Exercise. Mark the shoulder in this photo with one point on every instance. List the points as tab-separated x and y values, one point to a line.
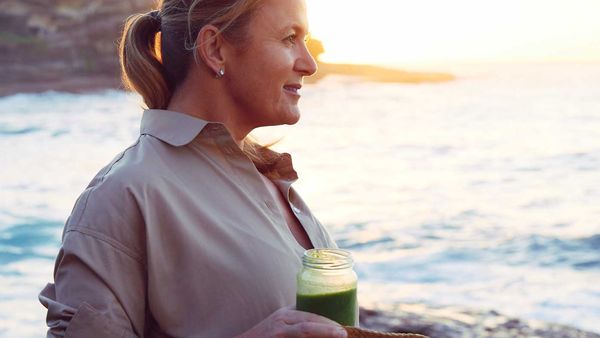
140	166
112	205
135	181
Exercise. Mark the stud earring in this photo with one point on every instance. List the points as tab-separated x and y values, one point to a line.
220	73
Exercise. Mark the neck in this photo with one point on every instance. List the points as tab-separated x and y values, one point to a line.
206	100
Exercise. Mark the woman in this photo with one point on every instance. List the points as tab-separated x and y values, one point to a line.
194	230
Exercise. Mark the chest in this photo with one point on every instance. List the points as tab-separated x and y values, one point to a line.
293	224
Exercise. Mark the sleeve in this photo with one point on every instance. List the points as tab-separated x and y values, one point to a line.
99	288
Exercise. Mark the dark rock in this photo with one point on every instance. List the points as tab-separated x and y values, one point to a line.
451	322
45	44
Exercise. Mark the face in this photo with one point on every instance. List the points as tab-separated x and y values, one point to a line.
265	77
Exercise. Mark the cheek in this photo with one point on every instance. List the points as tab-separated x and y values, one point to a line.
261	74
279	64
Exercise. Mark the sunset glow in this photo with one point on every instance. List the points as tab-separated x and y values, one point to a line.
428	31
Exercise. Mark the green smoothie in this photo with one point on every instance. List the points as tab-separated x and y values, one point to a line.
339	306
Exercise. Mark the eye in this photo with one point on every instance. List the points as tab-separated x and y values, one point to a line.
291	38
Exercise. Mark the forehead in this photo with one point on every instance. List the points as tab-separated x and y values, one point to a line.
280	15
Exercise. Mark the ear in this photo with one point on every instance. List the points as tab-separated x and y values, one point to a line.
209	46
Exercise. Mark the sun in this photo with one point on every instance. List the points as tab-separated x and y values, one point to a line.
429	31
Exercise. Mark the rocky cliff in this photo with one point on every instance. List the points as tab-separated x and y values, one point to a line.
44	43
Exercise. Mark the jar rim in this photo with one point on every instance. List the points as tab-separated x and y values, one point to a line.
327	259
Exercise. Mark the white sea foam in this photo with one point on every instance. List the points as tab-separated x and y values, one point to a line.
480	192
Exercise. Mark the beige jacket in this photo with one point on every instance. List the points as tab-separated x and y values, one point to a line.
178	237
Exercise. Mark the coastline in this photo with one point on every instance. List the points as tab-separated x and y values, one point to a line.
71	47
72	84
92	82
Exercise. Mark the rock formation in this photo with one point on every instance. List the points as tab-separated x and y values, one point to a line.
453	322
51	44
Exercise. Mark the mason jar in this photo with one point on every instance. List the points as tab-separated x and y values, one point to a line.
326	285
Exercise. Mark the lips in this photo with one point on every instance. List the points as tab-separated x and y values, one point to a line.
293	88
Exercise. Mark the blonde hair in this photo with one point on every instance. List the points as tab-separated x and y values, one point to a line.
157	48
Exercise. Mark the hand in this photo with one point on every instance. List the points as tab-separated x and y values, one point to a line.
290	323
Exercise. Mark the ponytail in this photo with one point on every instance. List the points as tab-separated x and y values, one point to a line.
155	54
141	67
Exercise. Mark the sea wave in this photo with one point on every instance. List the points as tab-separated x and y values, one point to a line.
479	192
29	240
531	250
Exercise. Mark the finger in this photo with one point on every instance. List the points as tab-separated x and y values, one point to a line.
296	316
317	330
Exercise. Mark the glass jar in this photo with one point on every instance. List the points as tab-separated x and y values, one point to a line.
326	285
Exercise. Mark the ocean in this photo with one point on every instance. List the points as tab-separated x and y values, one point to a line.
483	192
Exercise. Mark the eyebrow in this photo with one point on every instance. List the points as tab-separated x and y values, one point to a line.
297	28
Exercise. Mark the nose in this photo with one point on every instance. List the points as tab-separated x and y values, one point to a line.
305	63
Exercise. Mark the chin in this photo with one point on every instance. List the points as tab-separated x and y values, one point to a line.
288	116
293	117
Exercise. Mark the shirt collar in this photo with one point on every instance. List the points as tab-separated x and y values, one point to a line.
176	129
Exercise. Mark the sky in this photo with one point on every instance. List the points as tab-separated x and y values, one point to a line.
399	32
